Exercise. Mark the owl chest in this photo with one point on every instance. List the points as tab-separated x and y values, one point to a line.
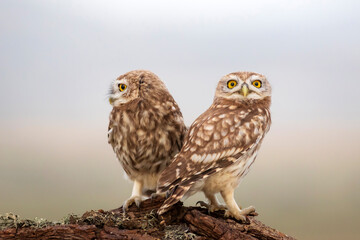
133	140
140	142
232	175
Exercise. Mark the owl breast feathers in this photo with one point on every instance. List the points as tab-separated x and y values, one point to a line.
222	143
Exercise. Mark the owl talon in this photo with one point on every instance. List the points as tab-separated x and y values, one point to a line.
214	208
138	202
155	195
135	199
202	204
211	207
248	210
241	215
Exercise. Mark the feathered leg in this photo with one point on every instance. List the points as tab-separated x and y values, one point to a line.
213	204
233	209
136	195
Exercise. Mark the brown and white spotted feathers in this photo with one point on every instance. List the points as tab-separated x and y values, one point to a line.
221	144
146	129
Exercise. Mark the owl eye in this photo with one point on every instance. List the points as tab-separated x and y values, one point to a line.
122	87
231	84
257	83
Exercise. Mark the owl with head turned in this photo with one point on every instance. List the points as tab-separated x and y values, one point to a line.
221	145
146	129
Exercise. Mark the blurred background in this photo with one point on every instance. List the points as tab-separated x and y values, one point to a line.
58	58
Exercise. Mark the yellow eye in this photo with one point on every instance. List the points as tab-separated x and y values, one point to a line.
257	83
231	84
122	87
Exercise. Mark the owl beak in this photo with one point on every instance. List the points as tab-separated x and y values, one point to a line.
244	90
111	100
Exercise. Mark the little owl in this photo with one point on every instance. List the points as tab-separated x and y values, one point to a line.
221	145
146	129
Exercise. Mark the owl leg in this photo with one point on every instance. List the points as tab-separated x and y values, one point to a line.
233	209
135	195
213	204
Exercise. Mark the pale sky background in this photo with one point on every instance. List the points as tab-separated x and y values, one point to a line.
57	59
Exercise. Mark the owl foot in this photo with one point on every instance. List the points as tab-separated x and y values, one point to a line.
240	215
134	199
211	207
155	195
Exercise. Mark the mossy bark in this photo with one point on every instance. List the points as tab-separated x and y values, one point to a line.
143	223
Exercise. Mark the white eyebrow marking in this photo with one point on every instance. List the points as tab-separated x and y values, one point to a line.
122	80
232	77
256	77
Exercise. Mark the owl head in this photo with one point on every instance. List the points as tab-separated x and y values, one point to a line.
243	86
134	85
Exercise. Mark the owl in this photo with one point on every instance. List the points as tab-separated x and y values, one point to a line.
221	145
146	129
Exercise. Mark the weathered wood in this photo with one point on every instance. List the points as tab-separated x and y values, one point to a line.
54	232
143	223
74	232
214	228
220	228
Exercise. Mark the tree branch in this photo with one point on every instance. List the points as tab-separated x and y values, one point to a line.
143	223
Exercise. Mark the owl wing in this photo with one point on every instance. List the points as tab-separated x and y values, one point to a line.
214	141
114	116
111	132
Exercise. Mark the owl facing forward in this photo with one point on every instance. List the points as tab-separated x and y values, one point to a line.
221	144
146	129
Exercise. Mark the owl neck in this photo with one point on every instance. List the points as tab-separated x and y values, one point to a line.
262	103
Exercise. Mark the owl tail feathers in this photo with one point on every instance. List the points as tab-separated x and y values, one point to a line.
176	195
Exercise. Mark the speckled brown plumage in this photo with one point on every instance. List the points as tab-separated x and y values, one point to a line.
146	129
221	144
